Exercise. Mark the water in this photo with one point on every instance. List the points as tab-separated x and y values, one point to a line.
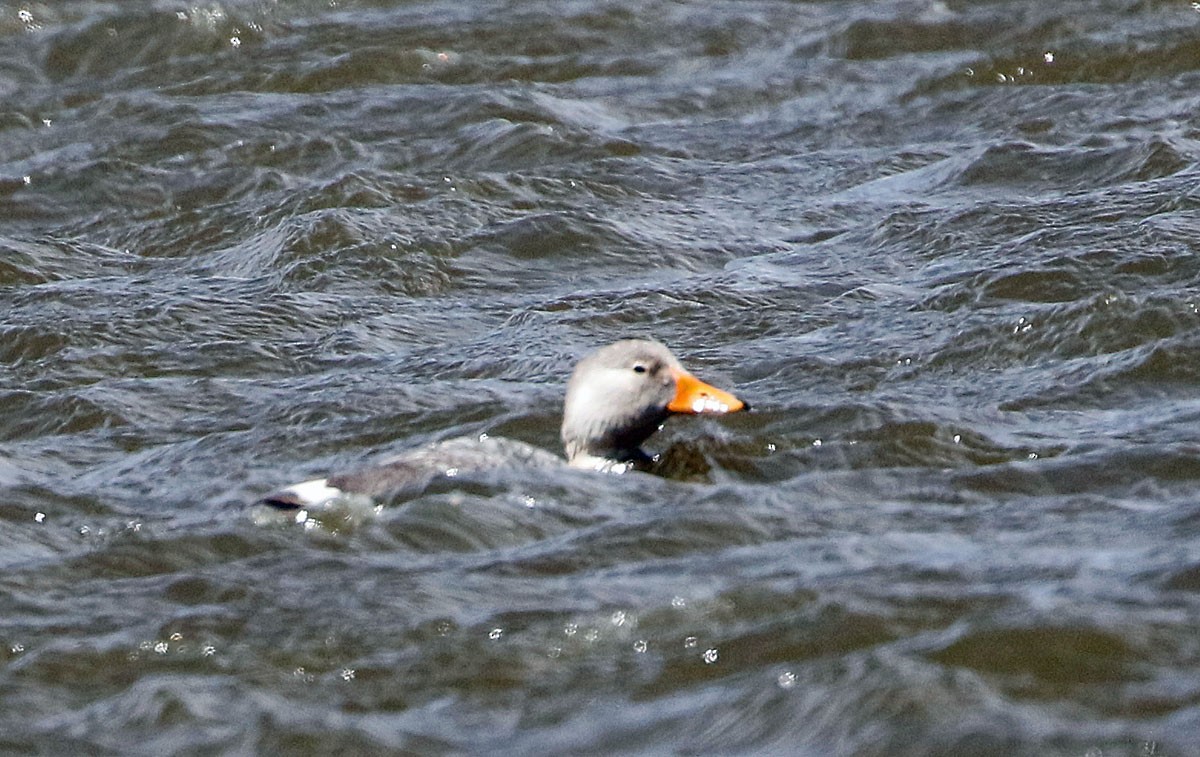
947	250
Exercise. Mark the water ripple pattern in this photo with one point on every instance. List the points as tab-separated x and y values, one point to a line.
950	252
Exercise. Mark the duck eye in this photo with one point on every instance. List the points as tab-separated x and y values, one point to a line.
639	368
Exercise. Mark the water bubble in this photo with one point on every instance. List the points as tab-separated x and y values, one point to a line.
46	122
17	648
770	446
786	679
209	650
689	642
678	602
571	629
592	635
816	443
161	647
709	656
618	618
235	42
39	517
26	180
1048	56
554	653
530	501
957	438
347	674
451	472
640	646
495	633
176	636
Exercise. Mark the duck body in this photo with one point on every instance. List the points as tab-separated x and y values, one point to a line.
617	397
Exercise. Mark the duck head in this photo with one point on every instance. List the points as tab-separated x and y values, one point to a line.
620	394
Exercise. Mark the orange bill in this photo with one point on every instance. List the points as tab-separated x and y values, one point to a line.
694	396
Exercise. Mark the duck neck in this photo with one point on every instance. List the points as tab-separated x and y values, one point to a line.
610	461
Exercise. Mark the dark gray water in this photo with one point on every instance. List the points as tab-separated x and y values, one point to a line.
948	250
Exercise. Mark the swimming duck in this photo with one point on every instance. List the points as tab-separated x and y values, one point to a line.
616	398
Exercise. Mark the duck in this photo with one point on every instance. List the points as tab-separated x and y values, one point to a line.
617	397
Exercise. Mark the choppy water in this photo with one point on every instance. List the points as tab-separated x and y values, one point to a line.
948	250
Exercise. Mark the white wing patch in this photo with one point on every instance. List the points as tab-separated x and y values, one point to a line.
314	493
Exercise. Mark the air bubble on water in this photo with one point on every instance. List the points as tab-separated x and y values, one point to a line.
957	438
618	618
235	42
1048	56
571	629
347	674
1033	456
495	633
554	653
17	648
451	472
816	443
970	72
640	646
39	517
786	679
529	501
709	656
678	602
689	642
26	180
591	636
161	647
209	650
770	446
176	636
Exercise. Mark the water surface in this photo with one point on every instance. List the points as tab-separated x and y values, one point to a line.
947	250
